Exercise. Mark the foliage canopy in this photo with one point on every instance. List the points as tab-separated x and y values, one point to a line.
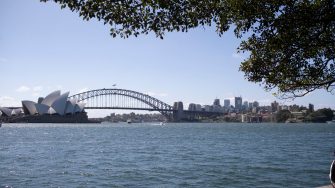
283	115
290	43
321	115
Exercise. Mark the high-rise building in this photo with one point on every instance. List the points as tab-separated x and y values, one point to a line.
274	106
238	103
255	104
179	107
198	107
250	105
245	105
216	102
208	108
294	108
311	107
226	103
217	108
284	107
192	107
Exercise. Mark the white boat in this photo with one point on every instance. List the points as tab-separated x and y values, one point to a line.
331	122
129	121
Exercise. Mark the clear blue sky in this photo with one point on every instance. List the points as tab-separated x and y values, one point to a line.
44	48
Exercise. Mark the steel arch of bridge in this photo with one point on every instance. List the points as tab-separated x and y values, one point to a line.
110	97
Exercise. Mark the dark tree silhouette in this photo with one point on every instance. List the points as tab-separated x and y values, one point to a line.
291	43
283	115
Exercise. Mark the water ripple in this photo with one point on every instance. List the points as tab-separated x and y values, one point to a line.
176	155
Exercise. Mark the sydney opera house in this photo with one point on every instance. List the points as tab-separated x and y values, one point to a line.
54	108
10	112
54	103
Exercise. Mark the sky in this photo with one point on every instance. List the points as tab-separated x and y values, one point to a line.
45	48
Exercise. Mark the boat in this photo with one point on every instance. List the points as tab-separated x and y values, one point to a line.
128	121
331	122
332	173
161	123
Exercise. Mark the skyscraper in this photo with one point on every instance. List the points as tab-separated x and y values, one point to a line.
311	107
245	105
192	107
216	102
255	104
238	103
274	106
226	103
250	105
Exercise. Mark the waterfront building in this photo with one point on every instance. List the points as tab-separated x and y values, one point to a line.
274	106
179	107
7	112
250	105
192	107
311	107
284	107
226	103
280	108
207	108
217	108
54	103
255	104
238	103
294	108
198	107
245	105
216	102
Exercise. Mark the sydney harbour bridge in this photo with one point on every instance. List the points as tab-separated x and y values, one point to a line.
124	99
133	100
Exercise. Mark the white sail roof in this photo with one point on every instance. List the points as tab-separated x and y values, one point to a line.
69	107
73	101
50	99
18	110
6	111
13	113
60	103
51	111
79	107
42	108
30	106
54	103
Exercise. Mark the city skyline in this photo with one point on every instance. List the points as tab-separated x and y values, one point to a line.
44	48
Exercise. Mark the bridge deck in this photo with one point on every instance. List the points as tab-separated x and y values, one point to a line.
126	108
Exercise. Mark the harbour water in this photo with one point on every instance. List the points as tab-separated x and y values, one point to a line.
172	155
